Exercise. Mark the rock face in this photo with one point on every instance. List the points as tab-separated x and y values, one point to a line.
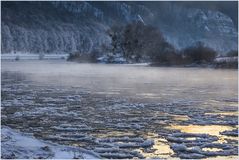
213	28
63	27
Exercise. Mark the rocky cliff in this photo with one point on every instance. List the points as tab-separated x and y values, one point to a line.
63	27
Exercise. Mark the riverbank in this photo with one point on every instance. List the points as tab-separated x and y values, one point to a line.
26	56
17	145
223	65
218	63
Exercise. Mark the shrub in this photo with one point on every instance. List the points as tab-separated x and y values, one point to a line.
228	65
41	56
139	42
17	58
166	54
233	53
198	54
84	57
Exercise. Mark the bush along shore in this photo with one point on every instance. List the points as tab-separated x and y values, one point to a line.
140	43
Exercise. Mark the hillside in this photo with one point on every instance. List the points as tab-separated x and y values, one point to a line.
64	27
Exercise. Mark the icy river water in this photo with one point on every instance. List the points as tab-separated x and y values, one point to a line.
124	111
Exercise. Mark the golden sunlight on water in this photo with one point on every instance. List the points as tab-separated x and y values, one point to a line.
174	116
191	138
233	104
181	117
213	130
160	149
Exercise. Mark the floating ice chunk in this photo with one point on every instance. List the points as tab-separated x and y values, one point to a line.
179	147
190	138
191	156
230	133
117	155
126	126
77	139
69	127
122	139
126	142
74	98
217	145
195	149
147	143
103	150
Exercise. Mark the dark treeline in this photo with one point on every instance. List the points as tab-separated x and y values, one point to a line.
137	42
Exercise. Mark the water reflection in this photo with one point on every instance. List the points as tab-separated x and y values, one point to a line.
213	130
181	117
160	149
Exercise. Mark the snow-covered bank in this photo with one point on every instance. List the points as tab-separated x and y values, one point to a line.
17	145
24	56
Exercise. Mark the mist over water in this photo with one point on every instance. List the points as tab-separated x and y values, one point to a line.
164	83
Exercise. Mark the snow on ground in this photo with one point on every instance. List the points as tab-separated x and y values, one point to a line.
226	59
20	146
24	56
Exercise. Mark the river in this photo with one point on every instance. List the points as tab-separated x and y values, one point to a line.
124	111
